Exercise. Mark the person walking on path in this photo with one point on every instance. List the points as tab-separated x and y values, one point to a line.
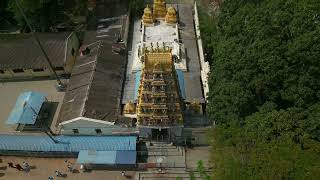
10	164
18	167
123	173
58	173
26	166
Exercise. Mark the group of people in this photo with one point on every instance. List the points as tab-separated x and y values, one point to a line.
60	174
25	166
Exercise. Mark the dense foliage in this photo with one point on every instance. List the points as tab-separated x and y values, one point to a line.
265	89
43	15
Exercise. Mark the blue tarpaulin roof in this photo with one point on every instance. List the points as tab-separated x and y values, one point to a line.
180	81
67	143
107	157
26	108
136	84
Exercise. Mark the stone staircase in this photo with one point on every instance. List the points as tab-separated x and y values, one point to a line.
166	155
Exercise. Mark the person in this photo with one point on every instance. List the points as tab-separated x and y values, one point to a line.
10	164
18	167
58	173
70	168
25	166
50	178
122	173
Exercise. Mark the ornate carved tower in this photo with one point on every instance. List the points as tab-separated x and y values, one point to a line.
159	9
159	103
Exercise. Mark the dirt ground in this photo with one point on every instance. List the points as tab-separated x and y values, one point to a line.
198	153
42	168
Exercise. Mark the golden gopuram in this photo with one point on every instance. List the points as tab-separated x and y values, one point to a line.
159	9
159	103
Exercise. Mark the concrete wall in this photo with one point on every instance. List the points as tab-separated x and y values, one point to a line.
145	132
196	136
72	43
86	127
205	67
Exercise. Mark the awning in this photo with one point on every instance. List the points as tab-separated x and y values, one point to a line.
137	79
107	157
26	108
181	83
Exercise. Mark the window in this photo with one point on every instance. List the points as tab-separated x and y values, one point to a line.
1	71
18	70
59	68
75	131
98	131
72	51
38	70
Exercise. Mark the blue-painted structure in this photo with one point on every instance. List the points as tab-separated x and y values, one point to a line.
107	157
180	81
67	144
26	109
181	84
137	79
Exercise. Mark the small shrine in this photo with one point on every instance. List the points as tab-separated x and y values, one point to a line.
171	17
147	17
159	12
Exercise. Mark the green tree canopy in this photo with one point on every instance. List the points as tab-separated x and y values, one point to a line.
265	89
41	13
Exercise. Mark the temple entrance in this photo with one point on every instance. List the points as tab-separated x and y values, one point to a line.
160	135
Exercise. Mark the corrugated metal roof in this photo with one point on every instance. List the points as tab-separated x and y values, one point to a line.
126	157
26	109
66	143
22	51
107	157
95	85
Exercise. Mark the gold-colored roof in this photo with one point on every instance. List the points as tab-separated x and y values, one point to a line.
147	10
171	10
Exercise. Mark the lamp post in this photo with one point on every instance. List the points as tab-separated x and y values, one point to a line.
60	84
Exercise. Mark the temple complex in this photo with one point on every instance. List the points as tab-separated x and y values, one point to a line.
163	90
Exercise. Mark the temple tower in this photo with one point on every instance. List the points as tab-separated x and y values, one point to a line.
159	9
159	103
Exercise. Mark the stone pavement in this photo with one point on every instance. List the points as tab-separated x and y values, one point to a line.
42	168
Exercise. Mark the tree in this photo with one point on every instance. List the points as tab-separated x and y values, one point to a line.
41	14
265	89
136	7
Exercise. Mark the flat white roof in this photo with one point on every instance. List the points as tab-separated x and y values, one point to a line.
160	32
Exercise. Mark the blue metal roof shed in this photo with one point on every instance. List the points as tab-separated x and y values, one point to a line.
137	84
67	144
26	109
181	83
107	157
